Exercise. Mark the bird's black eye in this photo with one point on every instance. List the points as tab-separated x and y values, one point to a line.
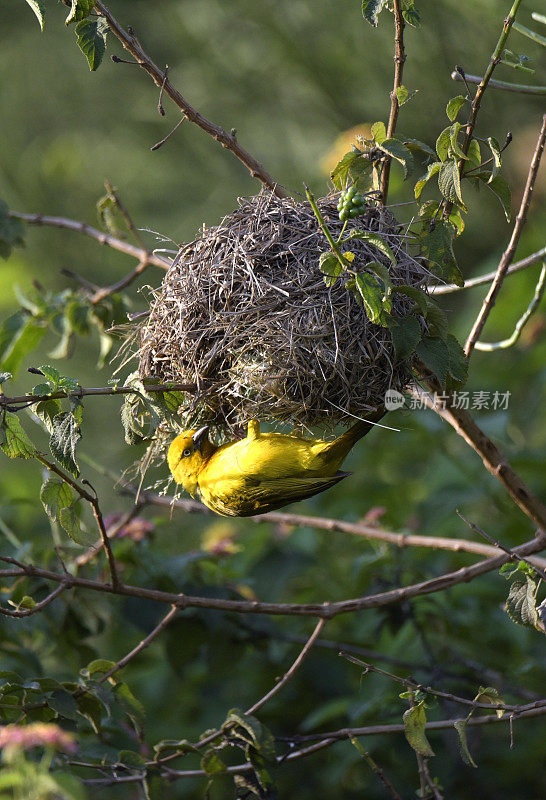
186	453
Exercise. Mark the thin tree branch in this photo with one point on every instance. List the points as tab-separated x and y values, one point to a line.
494	84
492	458
327	524
399	59
102	238
106	291
326	610
291	672
508	254
28	399
227	140
517	266
28	612
167	619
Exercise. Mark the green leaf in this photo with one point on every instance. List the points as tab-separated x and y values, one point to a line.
19	335
501	190
38	6
92	709
443	144
55	495
46	410
132	707
521	601
460	727
372	297
418	145
435	354
437	247
80	10
252	731
63	703
379	132
14	442
11	229
383	273
410	13
211	763
91	34
371	9
415	720
474	153
65	347
330	267
458	363
64	438
398	151
341	170
454	141
70	522
449	181
418	295
406	334
401	95
67	787
494	146
433	168
454	106
374	239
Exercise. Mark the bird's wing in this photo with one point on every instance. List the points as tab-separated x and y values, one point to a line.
248	496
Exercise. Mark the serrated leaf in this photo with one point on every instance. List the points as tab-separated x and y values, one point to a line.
374	239
501	190
80	10
415	720
422	182
460	727
435	354
379	132
401	95
443	143
455	146
38	6
399	152
417	144
449	181
454	105
410	14
91	36
341	170
521	601
64	439
383	273
55	495
14	442
211	763
371	9
46	410
11	229
329	265
418	295
406	334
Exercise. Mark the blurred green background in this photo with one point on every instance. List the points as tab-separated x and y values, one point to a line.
291	76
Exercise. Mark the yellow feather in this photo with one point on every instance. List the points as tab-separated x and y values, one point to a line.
262	472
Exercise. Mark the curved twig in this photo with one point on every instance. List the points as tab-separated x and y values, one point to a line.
517	266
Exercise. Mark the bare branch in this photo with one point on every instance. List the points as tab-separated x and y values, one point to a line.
517	266
493	460
328	524
101	237
508	254
324	610
508	87
227	140
291	672
28	612
28	399
399	59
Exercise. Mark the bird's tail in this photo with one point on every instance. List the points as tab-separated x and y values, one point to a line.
341	446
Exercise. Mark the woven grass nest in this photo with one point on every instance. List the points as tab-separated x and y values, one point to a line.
244	313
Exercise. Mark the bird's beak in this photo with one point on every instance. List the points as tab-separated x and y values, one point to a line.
199	436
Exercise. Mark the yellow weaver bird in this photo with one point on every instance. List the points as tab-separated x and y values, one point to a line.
262	472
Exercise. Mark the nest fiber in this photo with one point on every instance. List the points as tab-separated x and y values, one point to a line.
245	315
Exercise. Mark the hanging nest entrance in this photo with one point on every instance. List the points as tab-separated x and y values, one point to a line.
245	314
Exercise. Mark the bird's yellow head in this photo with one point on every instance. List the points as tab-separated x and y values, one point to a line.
186	456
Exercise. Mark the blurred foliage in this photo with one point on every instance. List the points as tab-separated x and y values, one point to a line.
292	77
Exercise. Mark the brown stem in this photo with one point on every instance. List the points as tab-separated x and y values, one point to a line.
509	253
227	140
324	610
26	399
492	458
399	59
